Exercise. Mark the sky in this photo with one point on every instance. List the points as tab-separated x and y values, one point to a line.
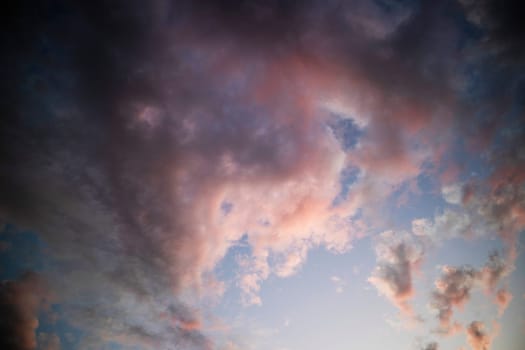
262	175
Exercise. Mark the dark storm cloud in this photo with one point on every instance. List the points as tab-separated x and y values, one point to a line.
454	288
494	271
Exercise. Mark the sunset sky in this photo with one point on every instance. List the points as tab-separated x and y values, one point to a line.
262	175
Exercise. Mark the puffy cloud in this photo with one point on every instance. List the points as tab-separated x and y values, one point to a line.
292	261
398	258
478	338
21	301
494	271
497	212
453	193
505	213
502	299
254	270
449	224
339	283
453	289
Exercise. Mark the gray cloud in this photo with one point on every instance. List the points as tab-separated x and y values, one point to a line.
431	346
398	259
452	289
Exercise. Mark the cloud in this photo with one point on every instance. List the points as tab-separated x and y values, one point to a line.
478	338
501	26
449	224
502	299
398	258
503	212
454	287
146	121
431	346
452	290
494	271
453	194
21	301
496	212
136	176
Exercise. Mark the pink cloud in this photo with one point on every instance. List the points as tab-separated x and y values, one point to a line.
502	299
477	336
453	290
221	109
398	259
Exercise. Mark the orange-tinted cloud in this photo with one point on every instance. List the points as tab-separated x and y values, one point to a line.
398	259
493	272
502	299
477	336
20	303
454	287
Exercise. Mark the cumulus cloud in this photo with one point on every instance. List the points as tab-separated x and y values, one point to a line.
453	290
449	224
477	336
398	258
501	25
453	193
502	299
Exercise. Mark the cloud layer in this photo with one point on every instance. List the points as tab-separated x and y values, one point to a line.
143	141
